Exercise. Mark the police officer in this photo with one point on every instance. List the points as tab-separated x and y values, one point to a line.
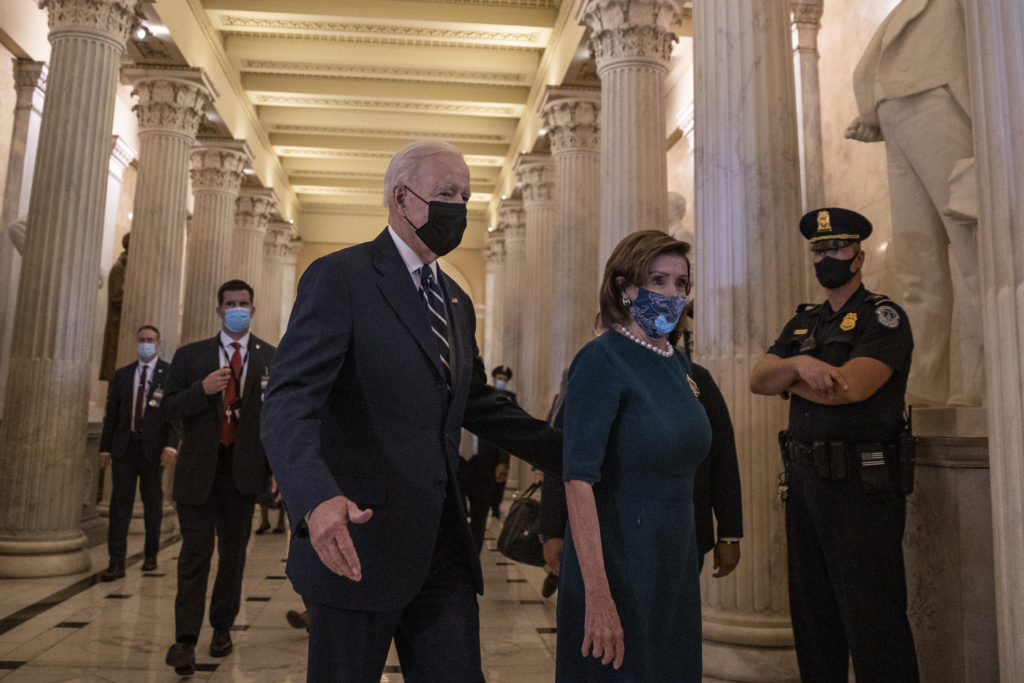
848	459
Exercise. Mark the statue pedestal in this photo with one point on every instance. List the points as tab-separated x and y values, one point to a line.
948	548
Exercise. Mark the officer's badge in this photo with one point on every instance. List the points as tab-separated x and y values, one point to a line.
888	317
693	386
849	322
824	222
800	331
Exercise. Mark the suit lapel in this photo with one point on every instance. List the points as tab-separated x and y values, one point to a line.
456	328
156	380
254	373
395	284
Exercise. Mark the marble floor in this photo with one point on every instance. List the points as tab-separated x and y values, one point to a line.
75	628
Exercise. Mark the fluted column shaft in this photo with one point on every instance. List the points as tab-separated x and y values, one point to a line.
995	38
807	17
632	45
170	107
27	76
217	170
268	324
750	267
42	436
513	222
494	297
535	176
252	212
572	118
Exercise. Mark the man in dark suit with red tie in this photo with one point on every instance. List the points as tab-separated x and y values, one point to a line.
216	391
373	381
137	442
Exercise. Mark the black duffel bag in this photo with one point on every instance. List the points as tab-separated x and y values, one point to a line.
520	536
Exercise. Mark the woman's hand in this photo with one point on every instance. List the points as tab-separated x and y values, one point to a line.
603	631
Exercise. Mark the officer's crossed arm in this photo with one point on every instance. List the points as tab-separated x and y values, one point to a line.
862	377
776	375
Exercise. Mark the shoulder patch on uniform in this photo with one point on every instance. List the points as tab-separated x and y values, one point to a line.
879	299
802	308
887	316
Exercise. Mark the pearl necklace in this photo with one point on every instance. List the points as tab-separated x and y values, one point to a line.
664	353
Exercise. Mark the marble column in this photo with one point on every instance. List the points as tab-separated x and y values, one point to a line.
513	225
535	177
268	324
42	434
291	275
751	266
807	18
632	44
995	37
572	117
217	169
494	255
170	106
252	213
28	77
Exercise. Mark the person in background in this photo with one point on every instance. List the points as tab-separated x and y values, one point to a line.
486	469
138	441
216	391
501	375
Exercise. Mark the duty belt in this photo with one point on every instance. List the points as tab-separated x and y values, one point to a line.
836	459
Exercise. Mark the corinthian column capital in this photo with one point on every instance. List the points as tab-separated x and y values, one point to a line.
573	118
630	29
535	175
277	241
807	12
219	166
253	207
109	20
494	252
171	100
28	75
512	220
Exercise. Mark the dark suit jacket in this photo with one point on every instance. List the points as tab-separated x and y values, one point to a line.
357	406
716	483
158	432
200	420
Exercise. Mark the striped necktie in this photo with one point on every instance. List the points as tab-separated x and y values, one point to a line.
434	300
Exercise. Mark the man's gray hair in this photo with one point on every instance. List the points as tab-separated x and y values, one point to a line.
403	166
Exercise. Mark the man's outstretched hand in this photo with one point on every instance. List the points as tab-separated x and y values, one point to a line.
328	532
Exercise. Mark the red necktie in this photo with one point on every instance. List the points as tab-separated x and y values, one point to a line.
140	401
228	421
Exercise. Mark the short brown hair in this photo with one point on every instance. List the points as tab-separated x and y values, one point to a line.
632	259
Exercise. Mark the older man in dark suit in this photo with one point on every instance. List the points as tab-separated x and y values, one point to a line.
137	442
216	391
374	379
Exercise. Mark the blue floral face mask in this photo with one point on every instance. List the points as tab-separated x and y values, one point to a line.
656	314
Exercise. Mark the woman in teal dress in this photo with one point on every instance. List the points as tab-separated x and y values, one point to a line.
635	433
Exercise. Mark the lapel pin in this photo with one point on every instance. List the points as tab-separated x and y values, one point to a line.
455	299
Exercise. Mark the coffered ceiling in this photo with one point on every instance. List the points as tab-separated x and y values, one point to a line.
325	91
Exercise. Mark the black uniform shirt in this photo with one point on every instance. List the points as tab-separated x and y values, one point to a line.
868	325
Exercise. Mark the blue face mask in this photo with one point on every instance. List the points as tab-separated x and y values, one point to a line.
236	319
656	314
500	384
146	351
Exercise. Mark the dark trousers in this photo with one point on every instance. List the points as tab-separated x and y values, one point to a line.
125	471
847	588
228	515
437	635
476	481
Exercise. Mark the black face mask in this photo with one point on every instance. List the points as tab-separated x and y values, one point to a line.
446	221
833	273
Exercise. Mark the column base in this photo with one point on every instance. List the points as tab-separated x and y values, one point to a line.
33	559
731	662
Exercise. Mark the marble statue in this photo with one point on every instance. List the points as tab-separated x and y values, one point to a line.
912	93
115	298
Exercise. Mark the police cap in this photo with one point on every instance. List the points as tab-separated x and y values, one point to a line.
832	228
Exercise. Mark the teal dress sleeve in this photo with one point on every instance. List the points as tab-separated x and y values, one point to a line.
592	403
